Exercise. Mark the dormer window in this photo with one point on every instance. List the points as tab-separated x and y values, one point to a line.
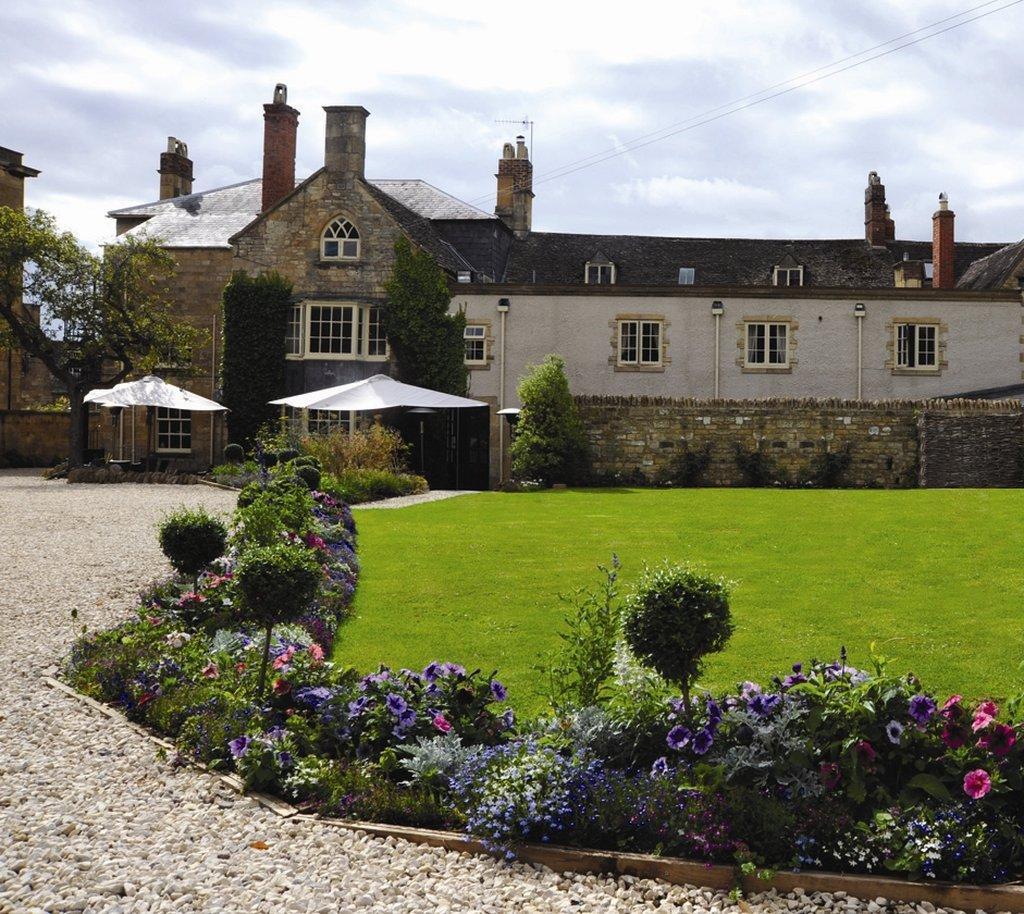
600	271
340	241
785	275
687	275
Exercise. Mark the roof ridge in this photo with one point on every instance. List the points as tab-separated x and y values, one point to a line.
198	193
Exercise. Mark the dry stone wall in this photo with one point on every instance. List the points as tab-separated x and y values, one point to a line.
647	439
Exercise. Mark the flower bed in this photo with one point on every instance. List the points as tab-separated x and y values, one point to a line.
827	767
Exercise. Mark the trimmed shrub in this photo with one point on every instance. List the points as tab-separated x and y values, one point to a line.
277	583
673	619
549	444
191	539
309	475
287	454
234	453
357	486
757	467
375	448
270	459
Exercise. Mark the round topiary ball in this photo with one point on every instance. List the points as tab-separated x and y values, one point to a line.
674	618
233	453
277	582
289	453
307	460
191	539
270	458
309	475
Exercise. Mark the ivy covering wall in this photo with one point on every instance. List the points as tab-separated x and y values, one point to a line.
253	361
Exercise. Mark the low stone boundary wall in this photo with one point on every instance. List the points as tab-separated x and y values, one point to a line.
37	437
889	444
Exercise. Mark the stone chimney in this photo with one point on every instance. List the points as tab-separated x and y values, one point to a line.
280	127
942	246
175	170
514	205
878	224
345	143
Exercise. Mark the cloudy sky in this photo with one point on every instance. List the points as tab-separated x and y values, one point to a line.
89	91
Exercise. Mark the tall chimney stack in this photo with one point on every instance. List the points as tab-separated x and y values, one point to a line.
280	126
942	246
345	143
514	205
175	170
878	226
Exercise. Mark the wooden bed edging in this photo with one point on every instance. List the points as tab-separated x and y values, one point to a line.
991	899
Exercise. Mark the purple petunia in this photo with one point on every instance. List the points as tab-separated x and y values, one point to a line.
678	737
498	691
508	719
431	671
395	704
239	746
659	767
922	709
703	741
452	669
714	713
275	733
355	708
313	696
284	759
894	730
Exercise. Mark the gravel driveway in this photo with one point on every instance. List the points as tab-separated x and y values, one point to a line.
91	820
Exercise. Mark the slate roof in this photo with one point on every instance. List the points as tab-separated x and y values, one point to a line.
991	272
964	252
550	257
209	218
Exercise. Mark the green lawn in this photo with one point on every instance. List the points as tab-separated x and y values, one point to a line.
933	577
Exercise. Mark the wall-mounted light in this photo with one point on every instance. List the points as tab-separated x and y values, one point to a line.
503	304
717	308
859	310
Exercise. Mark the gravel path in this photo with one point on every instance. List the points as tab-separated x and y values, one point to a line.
92	821
403	501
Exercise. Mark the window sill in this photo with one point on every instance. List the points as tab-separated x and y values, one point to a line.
917	372
643	369
173	453
327	264
335	357
478	366
767	369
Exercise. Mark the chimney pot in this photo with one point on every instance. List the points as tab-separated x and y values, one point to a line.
280	129
514	204
878	226
943	246
175	170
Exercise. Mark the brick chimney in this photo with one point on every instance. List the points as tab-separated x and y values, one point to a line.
878	224
345	142
942	246
514	205
280	126
175	170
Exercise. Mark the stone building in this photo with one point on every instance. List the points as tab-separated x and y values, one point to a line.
863	318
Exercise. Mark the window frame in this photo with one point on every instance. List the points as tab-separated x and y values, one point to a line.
299	338
898	351
599	266
480	338
766	347
351	235
691	276
362	324
183	420
638	325
313	423
779	269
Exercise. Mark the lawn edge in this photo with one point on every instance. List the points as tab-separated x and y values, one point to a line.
1008	897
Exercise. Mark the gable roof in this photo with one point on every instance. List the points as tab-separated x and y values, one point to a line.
550	257
210	218
991	272
964	252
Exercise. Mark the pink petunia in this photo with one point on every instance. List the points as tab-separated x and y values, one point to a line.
316	652
442	723
866	752
829	774
999	740
987	707
981	721
210	671
977	783
953	737
282	686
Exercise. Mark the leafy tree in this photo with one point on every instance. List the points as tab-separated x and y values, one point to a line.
90	319
425	340
675	617
550	444
253	361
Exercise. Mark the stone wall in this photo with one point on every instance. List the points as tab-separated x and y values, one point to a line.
647	439
35	438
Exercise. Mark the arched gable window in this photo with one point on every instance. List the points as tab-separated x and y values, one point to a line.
340	240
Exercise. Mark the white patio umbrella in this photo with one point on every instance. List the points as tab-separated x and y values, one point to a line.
149	391
377	392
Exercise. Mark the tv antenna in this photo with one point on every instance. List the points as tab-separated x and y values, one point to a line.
526	124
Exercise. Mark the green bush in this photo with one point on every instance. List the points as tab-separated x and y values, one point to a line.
277	584
287	454
234	453
309	475
689	468
675	617
191	539
829	468
549	444
757	467
357	486
265	514
270	459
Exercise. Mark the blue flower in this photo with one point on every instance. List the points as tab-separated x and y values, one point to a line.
703	741
313	696
284	759
714	713
678	737
499	692
922	709
239	746
508	719
659	767
395	704
275	733
355	708
431	671
894	730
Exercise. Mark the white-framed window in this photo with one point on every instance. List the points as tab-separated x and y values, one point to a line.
600	274
340	240
325	421
767	345
639	342
294	337
173	430
475	337
788	276
340	331
687	276
917	346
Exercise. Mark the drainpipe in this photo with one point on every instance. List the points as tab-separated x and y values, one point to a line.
213	388
503	306
858	312
717	309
